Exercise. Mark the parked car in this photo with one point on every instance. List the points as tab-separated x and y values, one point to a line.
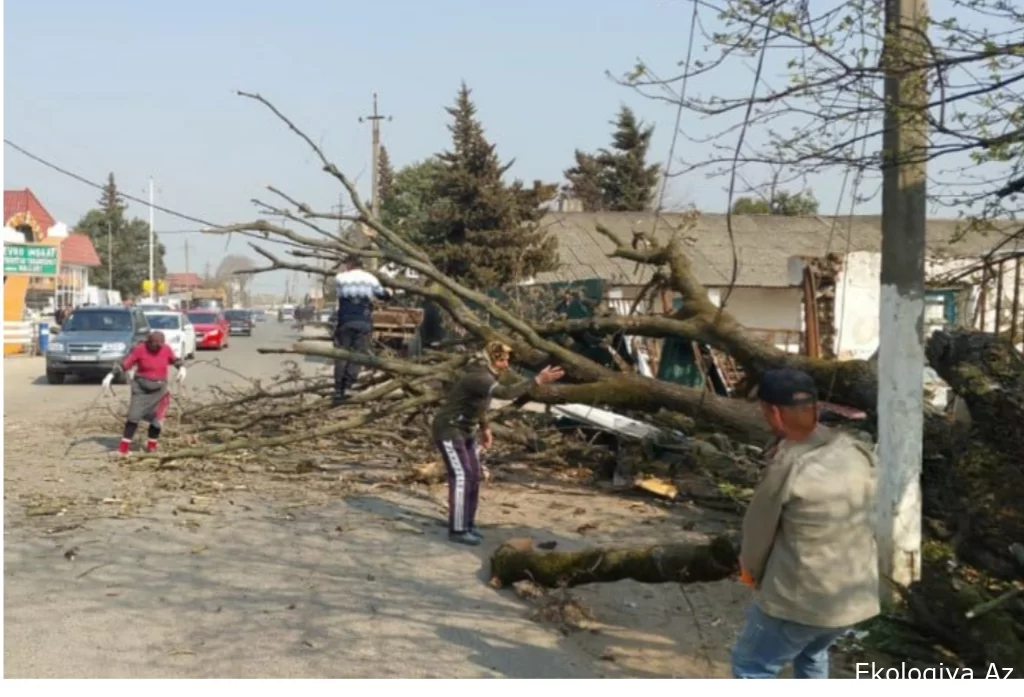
212	329
154	307
92	341
239	322
259	315
179	332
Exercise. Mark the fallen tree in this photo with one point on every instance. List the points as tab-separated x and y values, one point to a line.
848	382
406	389
520	560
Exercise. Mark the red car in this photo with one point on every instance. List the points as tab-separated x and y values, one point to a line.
212	329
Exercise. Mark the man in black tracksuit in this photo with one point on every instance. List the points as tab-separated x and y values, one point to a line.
457	423
357	289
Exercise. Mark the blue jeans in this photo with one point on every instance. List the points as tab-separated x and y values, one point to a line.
766	644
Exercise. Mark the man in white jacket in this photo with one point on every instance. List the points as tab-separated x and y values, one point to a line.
356	289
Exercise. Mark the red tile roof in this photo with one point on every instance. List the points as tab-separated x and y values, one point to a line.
78	250
183	281
24	201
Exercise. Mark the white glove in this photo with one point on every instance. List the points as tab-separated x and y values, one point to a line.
181	375
107	382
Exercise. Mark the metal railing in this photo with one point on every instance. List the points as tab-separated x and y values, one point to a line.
22	334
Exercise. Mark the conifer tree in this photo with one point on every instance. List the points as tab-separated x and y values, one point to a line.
628	181
478	229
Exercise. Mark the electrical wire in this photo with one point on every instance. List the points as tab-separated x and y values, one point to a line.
102	187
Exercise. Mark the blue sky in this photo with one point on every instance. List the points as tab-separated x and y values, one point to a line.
146	88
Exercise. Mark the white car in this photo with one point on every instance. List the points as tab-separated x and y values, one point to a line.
179	332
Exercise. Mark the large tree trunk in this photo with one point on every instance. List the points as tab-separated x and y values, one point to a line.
519	560
985	474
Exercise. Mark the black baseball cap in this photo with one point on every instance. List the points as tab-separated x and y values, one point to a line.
787	387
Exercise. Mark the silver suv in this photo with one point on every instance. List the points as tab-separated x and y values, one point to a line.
93	340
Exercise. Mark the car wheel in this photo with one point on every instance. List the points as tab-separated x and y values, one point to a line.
55	378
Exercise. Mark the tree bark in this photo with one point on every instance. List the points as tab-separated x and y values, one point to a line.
519	560
985	478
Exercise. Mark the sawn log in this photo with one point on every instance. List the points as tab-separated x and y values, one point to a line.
519	560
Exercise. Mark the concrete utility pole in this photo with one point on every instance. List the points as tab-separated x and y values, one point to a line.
375	118
152	244
901	357
110	255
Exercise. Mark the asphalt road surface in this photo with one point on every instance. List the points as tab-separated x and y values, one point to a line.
25	384
109	574
259	589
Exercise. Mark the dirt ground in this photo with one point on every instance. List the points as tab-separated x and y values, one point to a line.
114	570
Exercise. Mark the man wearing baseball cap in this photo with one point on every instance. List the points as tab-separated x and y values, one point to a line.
808	538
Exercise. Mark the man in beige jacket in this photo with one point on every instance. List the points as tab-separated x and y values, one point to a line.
808	538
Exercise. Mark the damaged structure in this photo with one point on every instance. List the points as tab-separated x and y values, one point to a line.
807	285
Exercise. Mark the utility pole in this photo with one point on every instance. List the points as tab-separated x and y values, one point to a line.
110	255
186	255
152	244
901	357
375	118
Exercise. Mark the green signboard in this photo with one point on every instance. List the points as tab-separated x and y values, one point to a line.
30	259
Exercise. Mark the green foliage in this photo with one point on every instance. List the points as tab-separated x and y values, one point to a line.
476	228
616	179
781	203
585	182
403	207
130	243
385	175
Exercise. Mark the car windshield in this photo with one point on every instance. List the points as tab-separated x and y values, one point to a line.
236	314
164	321
98	321
202	317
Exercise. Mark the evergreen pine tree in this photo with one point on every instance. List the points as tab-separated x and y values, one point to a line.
129	240
385	176
478	229
585	182
628	181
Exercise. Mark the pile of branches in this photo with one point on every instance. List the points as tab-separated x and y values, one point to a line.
407	389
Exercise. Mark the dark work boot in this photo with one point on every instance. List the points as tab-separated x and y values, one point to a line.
465	538
476	533
338	399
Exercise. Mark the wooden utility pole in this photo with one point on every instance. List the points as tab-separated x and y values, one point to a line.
375	118
901	358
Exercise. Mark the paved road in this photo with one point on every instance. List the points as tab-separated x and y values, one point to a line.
25	382
259	589
311	578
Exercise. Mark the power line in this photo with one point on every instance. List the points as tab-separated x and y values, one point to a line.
102	187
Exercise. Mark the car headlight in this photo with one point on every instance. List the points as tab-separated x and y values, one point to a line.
115	347
56	347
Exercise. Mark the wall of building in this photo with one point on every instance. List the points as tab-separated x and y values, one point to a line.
773	314
857	301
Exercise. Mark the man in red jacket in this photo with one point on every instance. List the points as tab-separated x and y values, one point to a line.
148	364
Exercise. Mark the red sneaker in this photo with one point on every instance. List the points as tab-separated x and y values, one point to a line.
150	446
124	446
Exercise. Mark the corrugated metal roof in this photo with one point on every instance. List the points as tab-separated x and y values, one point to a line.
764	244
